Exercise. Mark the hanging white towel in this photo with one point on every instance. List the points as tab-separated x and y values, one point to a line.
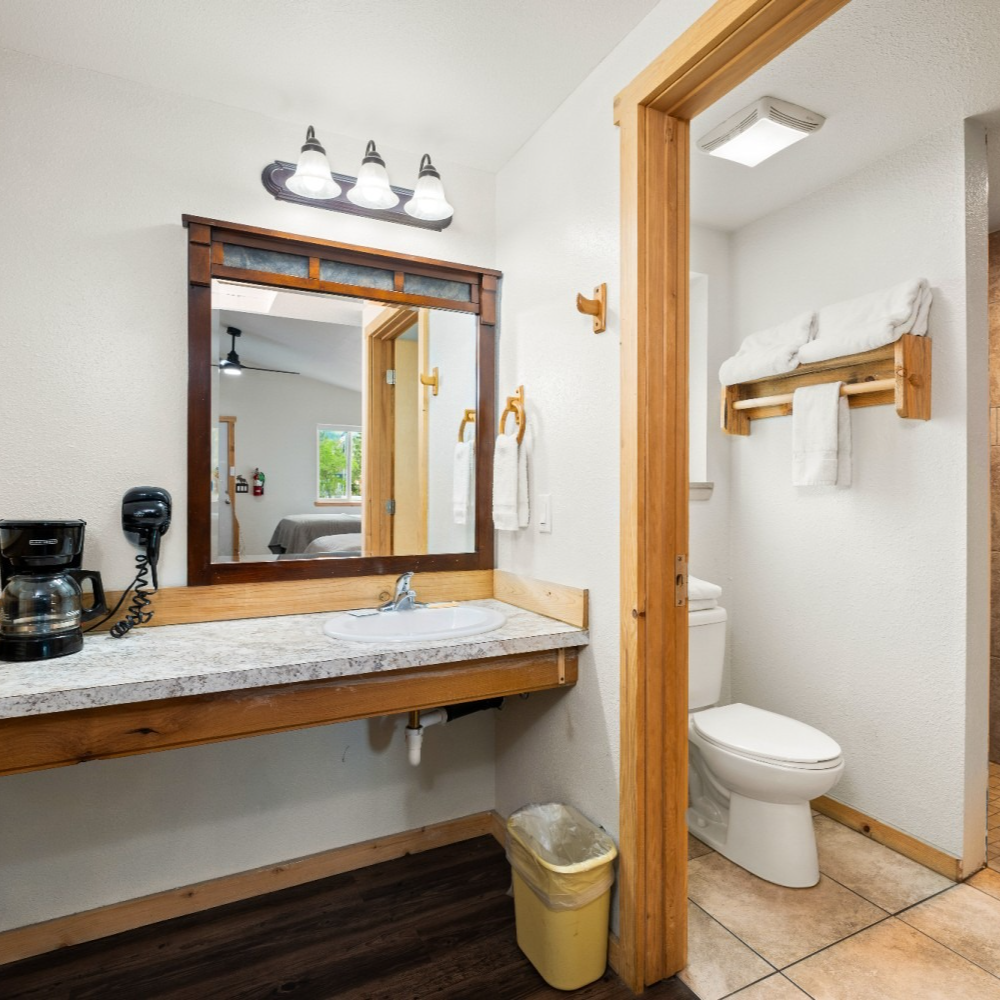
870	321
523	514
461	497
769	352
821	436
505	483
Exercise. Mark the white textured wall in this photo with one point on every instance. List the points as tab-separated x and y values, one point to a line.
276	425
558	234
708	545
93	376
452	350
863	611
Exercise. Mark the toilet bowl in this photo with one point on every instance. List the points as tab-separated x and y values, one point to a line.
751	773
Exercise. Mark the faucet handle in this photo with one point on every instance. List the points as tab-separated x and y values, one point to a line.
403	583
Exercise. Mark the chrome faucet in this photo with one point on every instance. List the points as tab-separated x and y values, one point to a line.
405	598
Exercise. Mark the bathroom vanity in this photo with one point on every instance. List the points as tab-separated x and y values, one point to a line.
182	685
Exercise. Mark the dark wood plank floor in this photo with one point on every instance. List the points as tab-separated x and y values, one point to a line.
438	924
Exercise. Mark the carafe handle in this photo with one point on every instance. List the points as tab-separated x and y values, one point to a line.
98	607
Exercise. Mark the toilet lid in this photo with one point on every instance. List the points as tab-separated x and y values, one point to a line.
754	732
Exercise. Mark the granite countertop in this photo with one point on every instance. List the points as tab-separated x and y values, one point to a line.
172	661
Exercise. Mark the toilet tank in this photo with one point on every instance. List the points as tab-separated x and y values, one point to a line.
706	654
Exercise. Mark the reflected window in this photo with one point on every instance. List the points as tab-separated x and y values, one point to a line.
338	462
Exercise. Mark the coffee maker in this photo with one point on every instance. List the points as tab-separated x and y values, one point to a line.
42	604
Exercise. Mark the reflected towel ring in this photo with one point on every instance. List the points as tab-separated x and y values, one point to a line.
515	406
469	417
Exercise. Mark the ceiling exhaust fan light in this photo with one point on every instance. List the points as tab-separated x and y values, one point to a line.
372	189
759	131
312	177
428	202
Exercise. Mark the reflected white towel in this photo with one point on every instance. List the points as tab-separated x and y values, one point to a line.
461	497
769	352
821	436
870	321
505	483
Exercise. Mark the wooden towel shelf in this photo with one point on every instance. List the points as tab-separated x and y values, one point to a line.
898	373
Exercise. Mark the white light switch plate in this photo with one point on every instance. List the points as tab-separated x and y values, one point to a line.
545	513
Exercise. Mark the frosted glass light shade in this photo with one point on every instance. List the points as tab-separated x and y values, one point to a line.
428	201
312	177
372	189
763	139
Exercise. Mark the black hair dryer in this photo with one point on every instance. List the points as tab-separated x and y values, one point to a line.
146	513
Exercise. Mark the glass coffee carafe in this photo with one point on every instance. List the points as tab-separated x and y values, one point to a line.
42	606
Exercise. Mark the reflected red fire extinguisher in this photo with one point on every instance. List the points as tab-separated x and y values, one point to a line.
258	483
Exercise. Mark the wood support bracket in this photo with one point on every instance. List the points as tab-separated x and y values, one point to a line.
596	307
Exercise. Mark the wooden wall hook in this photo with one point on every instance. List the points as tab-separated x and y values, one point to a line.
431	380
596	307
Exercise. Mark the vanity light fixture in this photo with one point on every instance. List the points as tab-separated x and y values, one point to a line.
759	131
428	201
373	189
312	177
370	194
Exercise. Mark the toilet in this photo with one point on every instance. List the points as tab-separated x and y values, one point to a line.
751	773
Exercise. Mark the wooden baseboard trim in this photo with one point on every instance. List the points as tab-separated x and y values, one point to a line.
882	833
498	827
76	928
613	949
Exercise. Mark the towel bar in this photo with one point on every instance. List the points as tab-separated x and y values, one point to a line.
897	373
855	389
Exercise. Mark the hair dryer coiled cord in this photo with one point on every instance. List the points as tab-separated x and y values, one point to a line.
137	613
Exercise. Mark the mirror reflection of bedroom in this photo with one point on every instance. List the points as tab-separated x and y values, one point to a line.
335	426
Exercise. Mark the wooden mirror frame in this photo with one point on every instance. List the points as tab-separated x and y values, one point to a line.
206	239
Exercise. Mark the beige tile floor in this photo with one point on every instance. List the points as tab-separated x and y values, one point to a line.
993	824
877	927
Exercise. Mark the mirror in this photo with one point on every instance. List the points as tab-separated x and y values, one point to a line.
341	409
335	422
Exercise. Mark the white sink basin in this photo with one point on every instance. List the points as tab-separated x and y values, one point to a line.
415	624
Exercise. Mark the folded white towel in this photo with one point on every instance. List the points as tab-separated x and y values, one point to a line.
702	590
769	352
507	483
870	321
461	497
821	436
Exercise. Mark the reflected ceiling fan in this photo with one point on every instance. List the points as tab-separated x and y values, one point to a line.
231	364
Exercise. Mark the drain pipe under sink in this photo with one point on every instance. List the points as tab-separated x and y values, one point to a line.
419	721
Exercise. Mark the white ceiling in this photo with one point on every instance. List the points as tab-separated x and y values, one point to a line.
467	80
884	73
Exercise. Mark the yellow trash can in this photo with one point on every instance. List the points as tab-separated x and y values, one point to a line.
563	873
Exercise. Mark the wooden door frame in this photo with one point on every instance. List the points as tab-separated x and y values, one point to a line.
378	459
731	41
231	479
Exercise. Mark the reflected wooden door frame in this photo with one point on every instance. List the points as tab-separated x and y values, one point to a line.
231	480
378	459
731	41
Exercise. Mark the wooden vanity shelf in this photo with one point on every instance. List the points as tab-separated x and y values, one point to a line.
898	373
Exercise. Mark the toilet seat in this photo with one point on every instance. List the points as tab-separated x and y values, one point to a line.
766	737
